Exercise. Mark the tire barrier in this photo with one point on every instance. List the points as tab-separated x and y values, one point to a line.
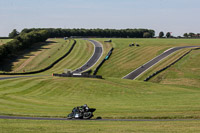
48	67
106	58
161	70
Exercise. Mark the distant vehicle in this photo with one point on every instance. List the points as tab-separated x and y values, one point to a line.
81	112
108	41
132	44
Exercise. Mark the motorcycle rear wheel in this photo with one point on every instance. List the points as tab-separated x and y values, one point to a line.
87	115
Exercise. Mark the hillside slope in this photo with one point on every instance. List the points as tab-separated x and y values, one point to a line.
125	59
113	98
185	72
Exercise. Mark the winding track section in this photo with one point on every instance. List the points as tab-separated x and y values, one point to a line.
13	77
65	119
98	51
136	73
92	61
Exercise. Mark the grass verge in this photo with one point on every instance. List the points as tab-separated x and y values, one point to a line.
22	126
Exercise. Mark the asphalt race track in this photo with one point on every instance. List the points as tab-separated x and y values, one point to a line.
134	74
3	78
65	119
93	60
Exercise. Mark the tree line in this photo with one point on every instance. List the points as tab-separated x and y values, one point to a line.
21	42
28	37
118	33
162	34
191	35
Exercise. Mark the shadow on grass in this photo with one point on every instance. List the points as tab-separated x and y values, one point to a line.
7	64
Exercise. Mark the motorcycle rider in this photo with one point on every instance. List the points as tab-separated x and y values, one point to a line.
81	112
84	108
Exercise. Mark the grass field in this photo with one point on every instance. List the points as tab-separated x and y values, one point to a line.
125	59
81	53
3	41
32	126
47	54
175	93
113	98
39	56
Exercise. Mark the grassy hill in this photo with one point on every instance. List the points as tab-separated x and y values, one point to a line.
113	98
42	57
175	93
125	59
81	53
185	72
43	54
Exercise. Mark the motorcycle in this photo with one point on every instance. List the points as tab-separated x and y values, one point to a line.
82	112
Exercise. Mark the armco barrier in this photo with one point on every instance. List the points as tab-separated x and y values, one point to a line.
157	72
106	58
47	68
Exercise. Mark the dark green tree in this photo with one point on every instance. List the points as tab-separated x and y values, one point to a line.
168	35
191	34
13	34
161	34
147	35
185	35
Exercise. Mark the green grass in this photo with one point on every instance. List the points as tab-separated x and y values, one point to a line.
126	59
32	126
113	98
46	55
49	52
185	72
39	56
81	53
4	41
176	96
